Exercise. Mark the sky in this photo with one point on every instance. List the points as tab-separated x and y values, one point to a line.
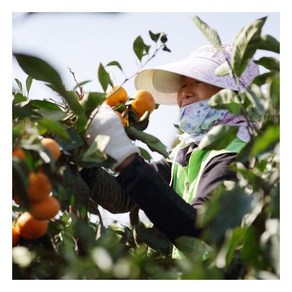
81	41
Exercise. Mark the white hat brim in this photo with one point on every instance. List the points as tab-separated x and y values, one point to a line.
164	81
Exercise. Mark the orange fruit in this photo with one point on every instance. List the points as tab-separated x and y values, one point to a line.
116	95
45	209
39	186
52	146
143	102
30	228
15	235
18	152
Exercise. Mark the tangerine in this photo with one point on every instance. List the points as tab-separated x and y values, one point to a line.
39	186
116	95
52	146
19	153
143	102
45	209
30	228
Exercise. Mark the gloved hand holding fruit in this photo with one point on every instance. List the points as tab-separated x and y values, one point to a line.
111	118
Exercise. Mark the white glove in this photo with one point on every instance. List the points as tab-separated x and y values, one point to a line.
106	122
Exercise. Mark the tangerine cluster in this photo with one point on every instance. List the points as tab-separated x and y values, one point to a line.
33	223
141	102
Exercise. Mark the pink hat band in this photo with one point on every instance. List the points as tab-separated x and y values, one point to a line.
164	81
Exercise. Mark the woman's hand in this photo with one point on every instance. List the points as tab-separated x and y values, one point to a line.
120	146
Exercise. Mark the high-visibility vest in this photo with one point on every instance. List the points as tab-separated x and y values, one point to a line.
185	179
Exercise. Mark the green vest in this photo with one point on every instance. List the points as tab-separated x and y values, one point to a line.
185	179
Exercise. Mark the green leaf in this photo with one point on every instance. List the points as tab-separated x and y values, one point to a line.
275	91
39	69
218	137
91	101
18	98
233	204
154	238
266	140
151	141
80	84
227	99
21	112
223	69
115	63
145	154
264	78
233	240
28	83
103	77
259	104
270	63
73	103
154	36
192	246
245	45
19	84
75	141
36	103
54	127
269	43
81	123
75	186
47	109
140	48
95	152
20	173
211	34
251	251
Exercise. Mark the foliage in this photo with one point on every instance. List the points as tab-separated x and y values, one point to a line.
79	246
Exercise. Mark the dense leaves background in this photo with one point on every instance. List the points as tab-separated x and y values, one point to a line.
241	238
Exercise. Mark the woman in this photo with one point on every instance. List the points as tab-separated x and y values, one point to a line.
170	191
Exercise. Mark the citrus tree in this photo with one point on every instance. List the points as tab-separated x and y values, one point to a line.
57	231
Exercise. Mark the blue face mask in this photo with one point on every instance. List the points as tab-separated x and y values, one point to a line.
197	118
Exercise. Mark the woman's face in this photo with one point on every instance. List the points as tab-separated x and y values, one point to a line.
192	90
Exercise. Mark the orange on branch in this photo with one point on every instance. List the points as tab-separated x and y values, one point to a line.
19	153
30	228
52	146
45	209
116	95
39	186
143	102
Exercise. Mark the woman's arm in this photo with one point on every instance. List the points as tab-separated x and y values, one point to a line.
162	205
106	191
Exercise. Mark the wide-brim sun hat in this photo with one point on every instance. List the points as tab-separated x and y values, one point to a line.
163	81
